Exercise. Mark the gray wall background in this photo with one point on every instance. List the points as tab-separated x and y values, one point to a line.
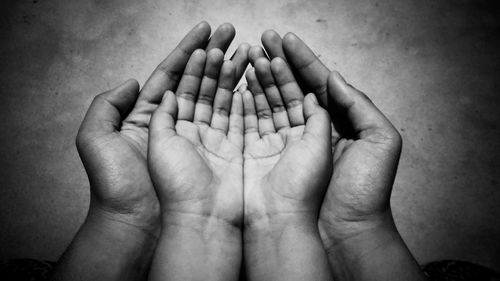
432	66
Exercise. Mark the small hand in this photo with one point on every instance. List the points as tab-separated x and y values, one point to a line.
195	150
287	166
196	163
287	157
366	146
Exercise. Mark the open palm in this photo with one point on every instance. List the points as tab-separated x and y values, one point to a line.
282	155
196	142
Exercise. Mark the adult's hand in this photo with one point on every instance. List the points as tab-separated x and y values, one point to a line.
120	232
356	222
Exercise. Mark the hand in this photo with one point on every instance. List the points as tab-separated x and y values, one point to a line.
112	140
287	166
122	225
356	222
196	163
366	146
195	150
287	161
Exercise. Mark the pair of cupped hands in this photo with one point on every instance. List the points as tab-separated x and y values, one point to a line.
296	153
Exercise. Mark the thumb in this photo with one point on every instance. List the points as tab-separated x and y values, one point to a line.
108	109
317	121
162	124
353	109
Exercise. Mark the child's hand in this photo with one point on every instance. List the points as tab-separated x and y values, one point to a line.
195	160
287	156
195	149
288	162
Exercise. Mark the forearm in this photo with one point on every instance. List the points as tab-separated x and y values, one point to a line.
375	252
194	247
288	248
107	249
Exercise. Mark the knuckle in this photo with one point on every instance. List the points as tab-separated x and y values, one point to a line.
187	95
293	103
264	113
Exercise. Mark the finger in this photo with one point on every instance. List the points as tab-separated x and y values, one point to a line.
317	122
242	88
236	123
168	73
203	108
308	66
263	111
290	91
223	97
362	116
255	53
222	37
240	60
187	92
250	118
163	119
265	77
108	109
273	44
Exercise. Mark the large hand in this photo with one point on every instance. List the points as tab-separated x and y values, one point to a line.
355	220
122	226
287	166
114	151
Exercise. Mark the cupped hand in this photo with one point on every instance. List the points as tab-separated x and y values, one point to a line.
196	143
112	140
287	156
365	144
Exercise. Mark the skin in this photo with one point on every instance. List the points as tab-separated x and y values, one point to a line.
120	233
282	193
196	164
355	221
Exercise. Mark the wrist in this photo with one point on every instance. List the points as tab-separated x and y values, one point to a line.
147	221
355	241
368	250
204	225
272	227
127	226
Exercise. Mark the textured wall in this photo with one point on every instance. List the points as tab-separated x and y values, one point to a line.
432	66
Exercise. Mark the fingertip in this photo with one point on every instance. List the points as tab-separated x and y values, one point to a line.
168	97
227	28
278	64
228	68
203	27
250	74
256	51
242	88
269	35
244	47
290	38
261	63
199	53
237	98
215	54
131	84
